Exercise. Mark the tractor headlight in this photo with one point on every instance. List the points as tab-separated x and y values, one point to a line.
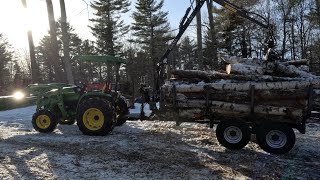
18	95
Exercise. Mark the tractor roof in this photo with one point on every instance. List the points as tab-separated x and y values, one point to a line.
100	58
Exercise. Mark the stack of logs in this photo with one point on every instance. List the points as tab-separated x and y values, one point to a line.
244	87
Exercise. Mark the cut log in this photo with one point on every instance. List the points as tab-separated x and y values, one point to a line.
189	113
244	69
237	60
242	108
304	68
229	96
201	87
292	71
190	75
259	62
297	63
261	96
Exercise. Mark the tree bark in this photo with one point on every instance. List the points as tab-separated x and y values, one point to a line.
242	108
292	71
212	35
199	38
54	43
34	69
197	76
245	86
318	10
244	69
65	41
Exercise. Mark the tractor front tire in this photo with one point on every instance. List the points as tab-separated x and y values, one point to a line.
44	121
95	117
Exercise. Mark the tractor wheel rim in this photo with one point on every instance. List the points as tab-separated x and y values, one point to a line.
232	134
93	119
43	121
276	139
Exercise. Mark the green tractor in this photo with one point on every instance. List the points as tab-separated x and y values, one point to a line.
96	112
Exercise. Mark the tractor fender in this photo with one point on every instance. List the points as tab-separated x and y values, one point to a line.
89	95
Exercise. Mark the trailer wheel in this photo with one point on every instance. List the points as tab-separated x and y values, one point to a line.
275	138
95	117
44	121
233	134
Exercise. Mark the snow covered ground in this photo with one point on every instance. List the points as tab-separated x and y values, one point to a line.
144	150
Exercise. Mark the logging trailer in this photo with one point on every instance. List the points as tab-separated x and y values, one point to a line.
247	110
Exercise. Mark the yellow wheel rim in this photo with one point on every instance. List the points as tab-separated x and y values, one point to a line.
43	121
93	119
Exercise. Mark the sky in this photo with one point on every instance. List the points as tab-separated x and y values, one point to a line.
14	24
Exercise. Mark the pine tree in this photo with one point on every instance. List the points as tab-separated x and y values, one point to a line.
44	52
188	55
109	27
211	57
234	37
58	73
150	27
86	71
5	57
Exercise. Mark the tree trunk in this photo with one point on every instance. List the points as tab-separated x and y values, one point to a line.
54	43
65	41
197	76
199	39
243	43
318	10
34	69
284	38
213	38
293	56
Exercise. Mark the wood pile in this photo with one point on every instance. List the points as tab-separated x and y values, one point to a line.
246	86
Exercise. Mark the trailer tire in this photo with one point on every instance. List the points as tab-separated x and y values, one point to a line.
44	121
276	138
233	134
95	117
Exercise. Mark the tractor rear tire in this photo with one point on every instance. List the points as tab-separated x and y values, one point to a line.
122	111
95	117
44	121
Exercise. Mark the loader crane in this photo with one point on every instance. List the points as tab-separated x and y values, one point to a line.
186	21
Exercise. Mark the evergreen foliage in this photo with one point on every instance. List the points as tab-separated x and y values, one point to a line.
150	28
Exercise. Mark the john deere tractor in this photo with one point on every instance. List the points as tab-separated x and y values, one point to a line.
96	112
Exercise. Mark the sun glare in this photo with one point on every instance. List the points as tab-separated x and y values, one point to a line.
17	20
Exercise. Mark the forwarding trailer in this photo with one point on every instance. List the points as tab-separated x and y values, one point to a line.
267	97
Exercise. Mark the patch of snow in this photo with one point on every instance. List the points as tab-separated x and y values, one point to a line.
144	150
